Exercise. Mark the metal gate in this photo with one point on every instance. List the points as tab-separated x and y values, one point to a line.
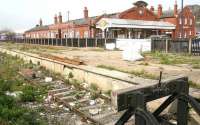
196	47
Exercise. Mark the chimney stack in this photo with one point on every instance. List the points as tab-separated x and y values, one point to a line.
60	17
152	9
160	10
55	19
85	13
175	8
40	22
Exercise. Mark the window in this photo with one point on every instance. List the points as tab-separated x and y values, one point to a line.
185	35
180	35
77	34
185	21
190	21
190	32
86	34
180	21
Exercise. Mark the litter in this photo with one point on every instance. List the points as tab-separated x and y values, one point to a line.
92	102
48	79
93	111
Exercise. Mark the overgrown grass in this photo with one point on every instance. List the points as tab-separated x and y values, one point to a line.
194	85
172	59
11	111
140	73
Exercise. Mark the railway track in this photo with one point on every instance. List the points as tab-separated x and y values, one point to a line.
95	110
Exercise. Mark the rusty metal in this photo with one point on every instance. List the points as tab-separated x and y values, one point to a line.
64	60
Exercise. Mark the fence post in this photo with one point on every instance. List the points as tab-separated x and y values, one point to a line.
72	42
61	41
66	41
78	42
48	41
52	41
86	43
190	45
56	41
105	43
95	42
166	46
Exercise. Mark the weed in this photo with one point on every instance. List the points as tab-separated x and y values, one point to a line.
194	85
141	73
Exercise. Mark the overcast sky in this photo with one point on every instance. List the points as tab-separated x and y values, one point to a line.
20	15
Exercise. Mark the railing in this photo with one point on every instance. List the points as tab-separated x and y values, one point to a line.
196	47
68	42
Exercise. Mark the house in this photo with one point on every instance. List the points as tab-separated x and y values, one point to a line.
3	36
184	21
137	22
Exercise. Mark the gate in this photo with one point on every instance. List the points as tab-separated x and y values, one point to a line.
196	47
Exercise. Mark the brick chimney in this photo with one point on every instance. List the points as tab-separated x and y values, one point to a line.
40	22
160	10
85	13
152	9
55	19
60	17
175	8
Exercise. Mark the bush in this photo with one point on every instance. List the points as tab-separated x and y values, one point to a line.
29	94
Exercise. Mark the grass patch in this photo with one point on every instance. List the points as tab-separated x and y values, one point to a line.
140	73
172	59
194	85
11	111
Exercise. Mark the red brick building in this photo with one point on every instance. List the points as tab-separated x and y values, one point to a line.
136	22
184	21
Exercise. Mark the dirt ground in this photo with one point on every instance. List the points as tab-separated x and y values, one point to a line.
114	59
99	56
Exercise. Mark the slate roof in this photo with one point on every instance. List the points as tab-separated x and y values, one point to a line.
39	28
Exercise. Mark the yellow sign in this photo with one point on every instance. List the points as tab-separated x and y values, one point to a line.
103	24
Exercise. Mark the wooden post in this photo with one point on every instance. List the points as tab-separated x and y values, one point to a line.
190	46
166	46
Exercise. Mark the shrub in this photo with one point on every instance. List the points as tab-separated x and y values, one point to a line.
29	94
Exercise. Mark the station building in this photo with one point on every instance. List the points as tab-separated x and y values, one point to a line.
135	23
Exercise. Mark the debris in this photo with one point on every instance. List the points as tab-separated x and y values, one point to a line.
72	104
92	102
66	109
85	85
42	114
48	79
60	106
14	94
93	111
